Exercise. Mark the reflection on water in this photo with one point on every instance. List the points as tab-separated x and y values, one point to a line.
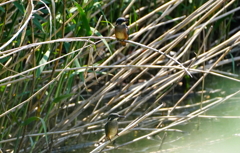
200	135
214	135
205	135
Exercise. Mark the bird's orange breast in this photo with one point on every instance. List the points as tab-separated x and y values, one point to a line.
121	32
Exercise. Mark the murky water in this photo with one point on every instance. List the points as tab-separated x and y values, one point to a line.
216	131
208	135
200	135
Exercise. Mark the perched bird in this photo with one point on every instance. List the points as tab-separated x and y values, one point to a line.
121	30
111	127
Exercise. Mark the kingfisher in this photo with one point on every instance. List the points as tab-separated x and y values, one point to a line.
111	127
121	30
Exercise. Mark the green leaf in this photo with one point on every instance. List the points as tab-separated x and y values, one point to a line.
66	46
44	128
38	24
103	40
85	27
2	88
43	61
2	9
19	6
30	120
2	60
60	98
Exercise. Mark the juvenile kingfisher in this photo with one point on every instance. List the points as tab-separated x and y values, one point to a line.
121	30
111	128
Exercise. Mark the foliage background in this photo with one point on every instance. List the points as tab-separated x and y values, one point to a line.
63	72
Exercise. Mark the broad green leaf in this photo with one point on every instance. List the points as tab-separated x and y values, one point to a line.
44	128
62	97
30	120
43	61
85	27
103	40
19	6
